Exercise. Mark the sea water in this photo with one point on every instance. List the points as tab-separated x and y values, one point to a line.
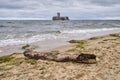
48	34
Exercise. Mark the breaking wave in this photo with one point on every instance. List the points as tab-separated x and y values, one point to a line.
89	30
51	35
16	41
3	26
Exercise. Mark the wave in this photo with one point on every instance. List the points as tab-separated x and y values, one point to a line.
32	39
0	51
89	30
41	37
56	32
3	26
9	22
44	32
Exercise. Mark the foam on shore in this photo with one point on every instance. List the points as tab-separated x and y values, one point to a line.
65	35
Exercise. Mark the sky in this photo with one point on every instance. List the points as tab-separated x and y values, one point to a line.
74	9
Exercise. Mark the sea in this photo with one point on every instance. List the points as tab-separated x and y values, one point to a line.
47	34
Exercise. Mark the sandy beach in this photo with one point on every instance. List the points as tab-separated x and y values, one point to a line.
59	39
106	48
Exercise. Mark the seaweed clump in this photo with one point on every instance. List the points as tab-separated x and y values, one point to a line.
79	44
25	46
4	59
115	35
93	38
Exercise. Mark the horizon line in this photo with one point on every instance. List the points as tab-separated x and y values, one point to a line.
49	19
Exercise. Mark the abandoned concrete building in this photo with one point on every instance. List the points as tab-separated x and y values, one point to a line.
58	17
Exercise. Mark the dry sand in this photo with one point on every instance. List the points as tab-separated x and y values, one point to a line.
106	48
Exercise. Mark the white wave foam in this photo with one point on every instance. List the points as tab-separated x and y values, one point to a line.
89	30
26	40
42	37
0	51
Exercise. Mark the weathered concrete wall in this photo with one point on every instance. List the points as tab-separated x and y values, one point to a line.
60	18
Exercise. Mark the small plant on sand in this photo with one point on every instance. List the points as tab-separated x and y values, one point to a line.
81	44
13	60
71	50
31	61
18	61
115	35
5	58
73	41
76	41
109	39
93	38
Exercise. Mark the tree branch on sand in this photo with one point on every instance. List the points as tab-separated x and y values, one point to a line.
60	57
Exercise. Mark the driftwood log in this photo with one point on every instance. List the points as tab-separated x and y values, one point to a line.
84	58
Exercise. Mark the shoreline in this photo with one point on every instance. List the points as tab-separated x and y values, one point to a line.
7	50
70	46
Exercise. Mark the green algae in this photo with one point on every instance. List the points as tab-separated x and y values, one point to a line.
115	35
25	46
4	59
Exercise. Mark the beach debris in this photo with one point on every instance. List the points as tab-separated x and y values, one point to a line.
60	57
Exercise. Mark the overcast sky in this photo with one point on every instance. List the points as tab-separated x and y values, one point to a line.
45	9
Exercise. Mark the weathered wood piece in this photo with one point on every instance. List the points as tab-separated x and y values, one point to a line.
84	58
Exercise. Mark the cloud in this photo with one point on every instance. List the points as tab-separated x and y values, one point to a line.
45	9
105	2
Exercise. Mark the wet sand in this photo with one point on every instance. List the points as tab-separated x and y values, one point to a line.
50	43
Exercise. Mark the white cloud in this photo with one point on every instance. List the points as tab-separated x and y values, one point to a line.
45	9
